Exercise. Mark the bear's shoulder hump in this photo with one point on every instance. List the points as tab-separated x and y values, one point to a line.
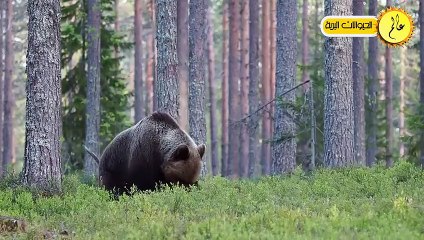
164	118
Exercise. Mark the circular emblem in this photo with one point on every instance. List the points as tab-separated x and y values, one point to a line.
395	26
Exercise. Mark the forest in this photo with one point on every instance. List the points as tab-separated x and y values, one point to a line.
211	119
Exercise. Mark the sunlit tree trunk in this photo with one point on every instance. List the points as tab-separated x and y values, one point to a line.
3	165
183	70
224	92
338	93
166	82
138	62
244	82
42	160
389	104
150	66
421	16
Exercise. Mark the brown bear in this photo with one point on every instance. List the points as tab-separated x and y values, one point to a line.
153	151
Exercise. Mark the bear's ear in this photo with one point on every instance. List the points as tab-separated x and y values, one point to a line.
181	153
201	148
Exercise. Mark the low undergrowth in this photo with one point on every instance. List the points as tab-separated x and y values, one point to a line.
356	203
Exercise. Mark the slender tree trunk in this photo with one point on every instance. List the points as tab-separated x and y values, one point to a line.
9	99
244	81
212	91
372	92
92	122
421	17
166	84
284	150
150	45
2	167
403	64
224	92
183	70
138	62
266	88
338	100
234	77
305	42
253	83
389	103
42	160
358	89
273	55
197	42
117	26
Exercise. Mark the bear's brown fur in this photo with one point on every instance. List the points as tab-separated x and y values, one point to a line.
155	150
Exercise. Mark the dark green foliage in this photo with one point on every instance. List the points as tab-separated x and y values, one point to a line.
114	96
351	203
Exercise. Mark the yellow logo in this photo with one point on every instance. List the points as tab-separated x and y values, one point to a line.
395	26
349	26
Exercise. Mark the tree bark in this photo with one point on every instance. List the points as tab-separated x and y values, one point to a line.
266	88
389	104
3	165
403	64
150	66
138	62
244	82
117	26
183	52
234	77
338	93
253	83
212	91
42	160
372	92
305	42
166	84
197	42
92	121
9	99
224	92
421	17
284	149
358	89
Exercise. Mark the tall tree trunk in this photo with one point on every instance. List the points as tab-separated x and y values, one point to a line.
2	167
224	92
421	16
212	91
183	50
358	89
117	26
389	103
9	99
372	92
253	83
234	77
138	62
197	42
42	160
305	42
284	150
338	100
92	121
166	84
266	87
150	66
403	64
273	55
244	81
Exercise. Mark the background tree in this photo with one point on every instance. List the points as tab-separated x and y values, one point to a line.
338	119
212	93
372	93
388	76
3	165
244	87
183	52
42	168
150	66
284	147
9	99
233	90
166	84
138	62
93	87
358	89
253	82
224	91
197	43
421	17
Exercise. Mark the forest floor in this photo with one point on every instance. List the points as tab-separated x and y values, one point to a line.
330	204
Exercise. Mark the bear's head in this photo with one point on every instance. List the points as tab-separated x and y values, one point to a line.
183	165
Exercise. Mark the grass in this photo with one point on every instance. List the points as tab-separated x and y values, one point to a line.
356	203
